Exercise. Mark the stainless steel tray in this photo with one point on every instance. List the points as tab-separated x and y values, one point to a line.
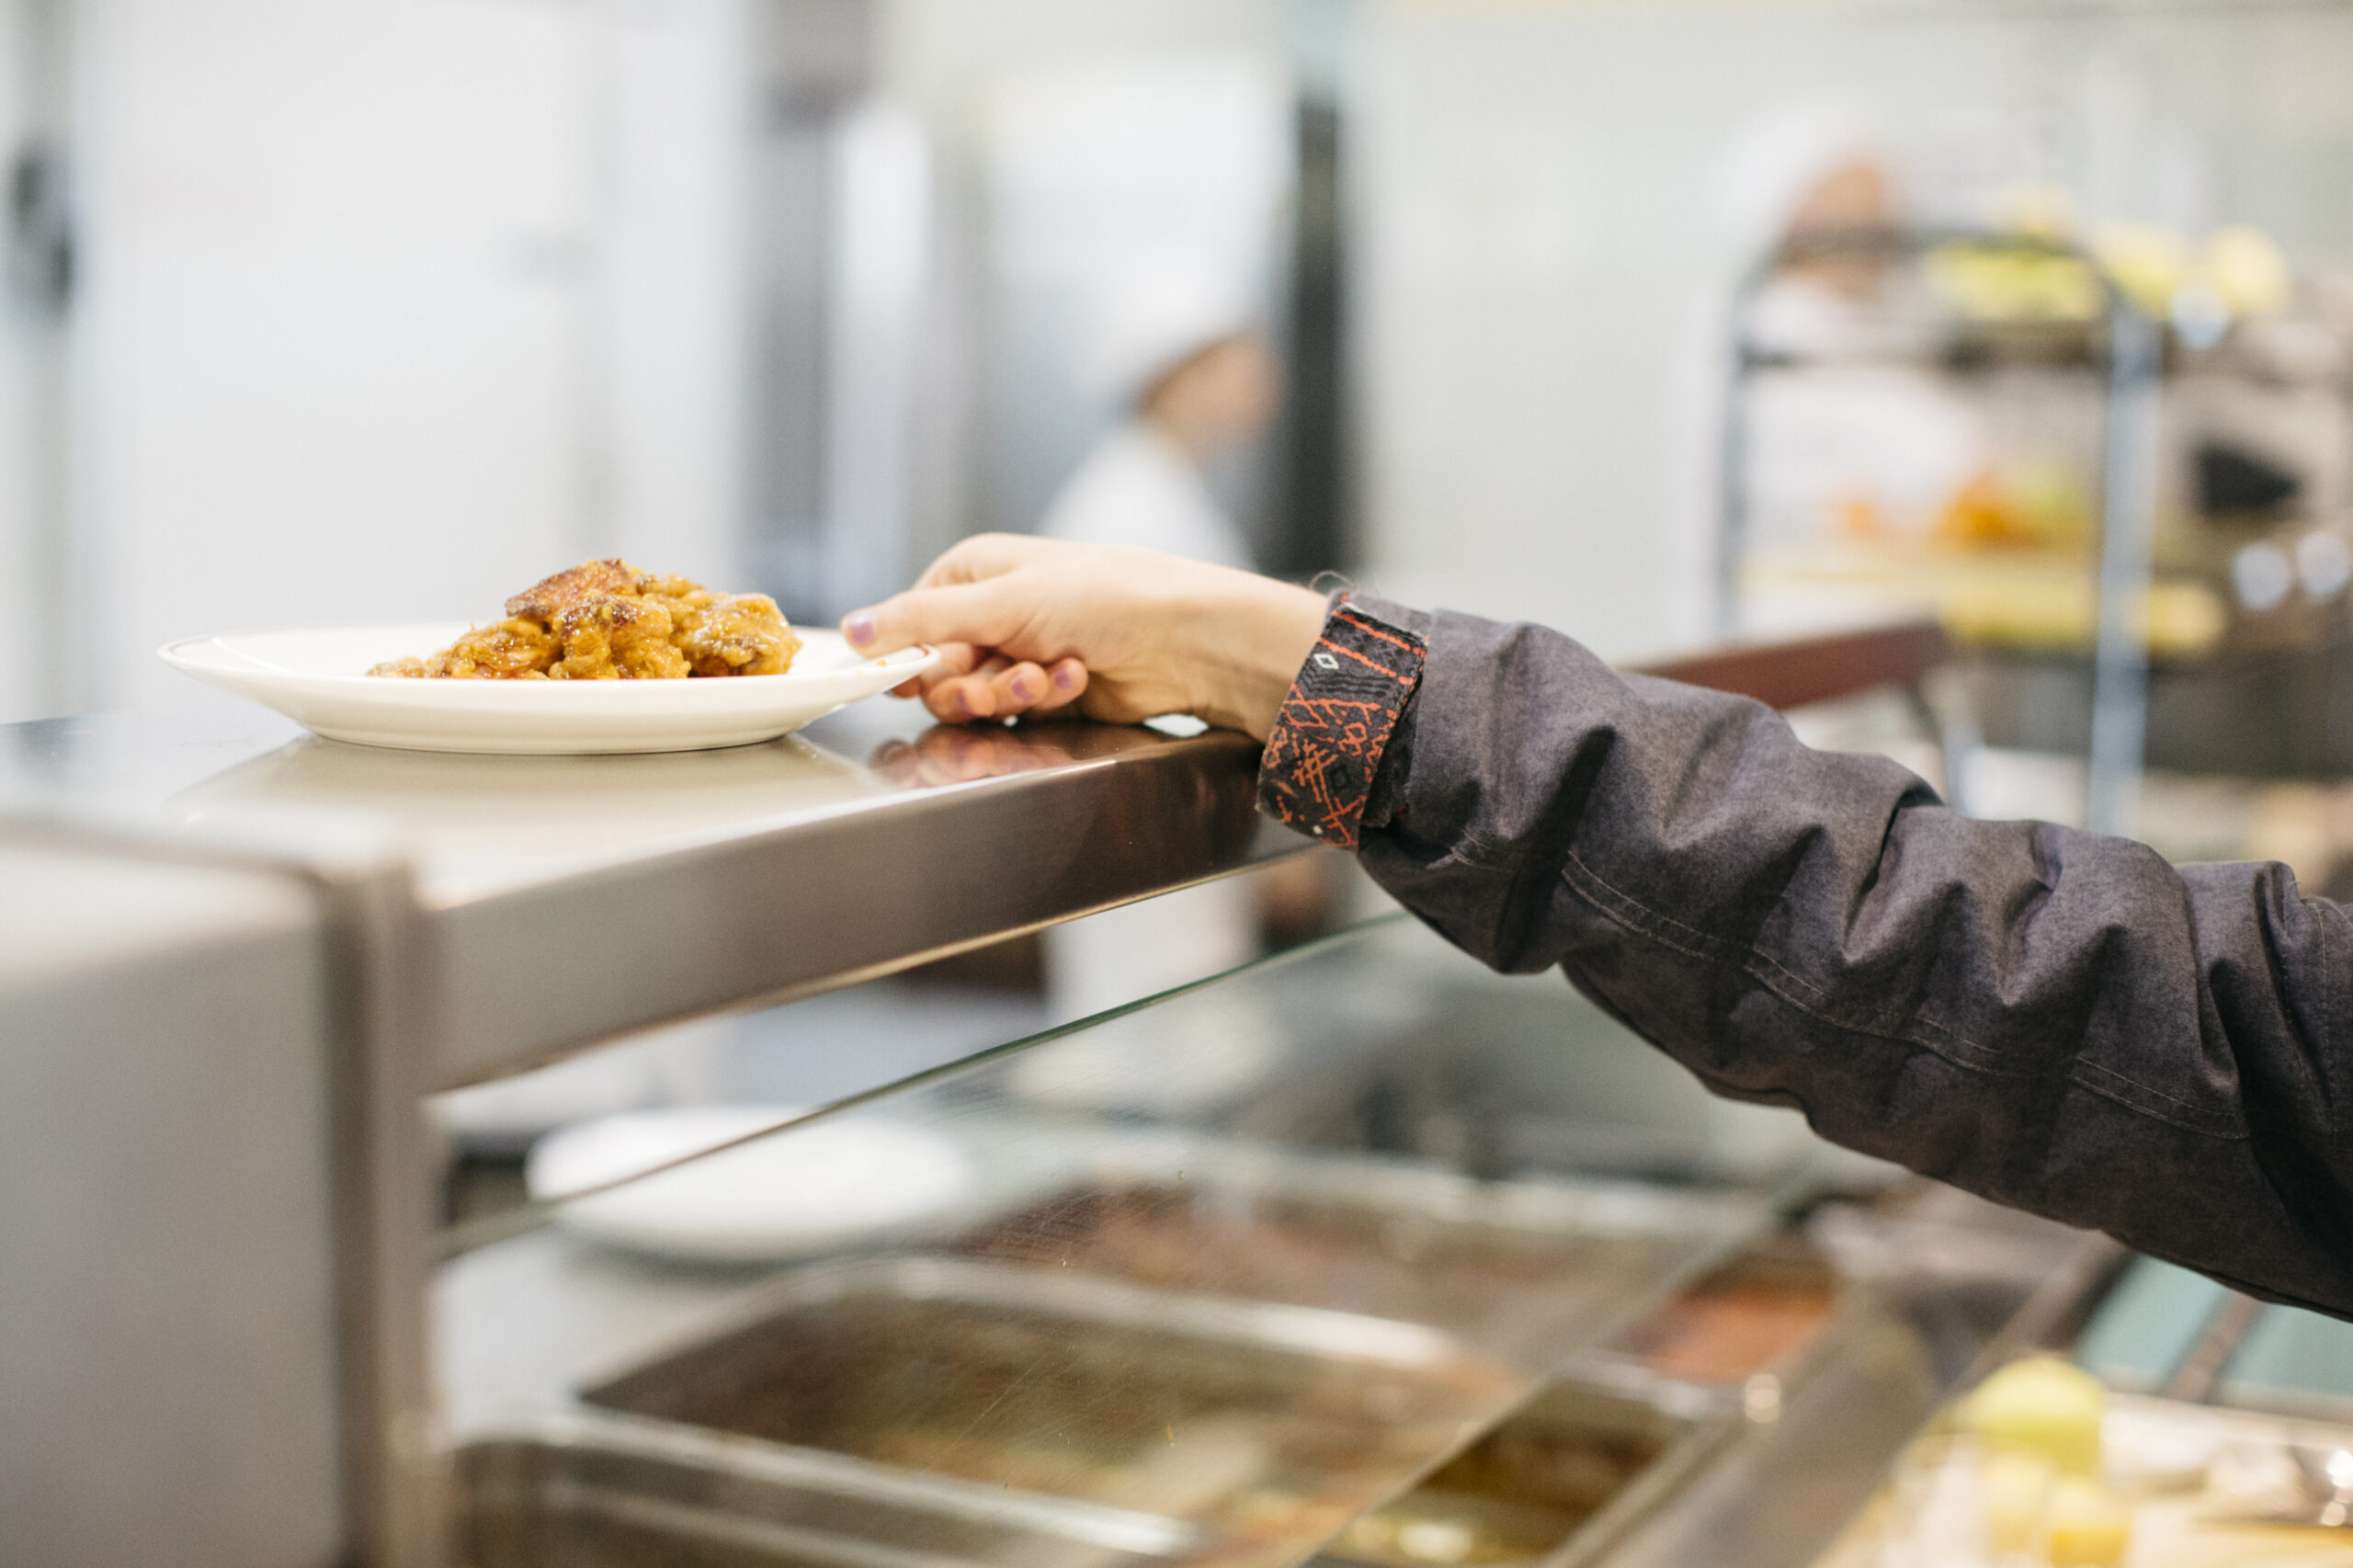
612	1492
1555	1483
1529	1272
1793	1472
1267	1426
1598	1455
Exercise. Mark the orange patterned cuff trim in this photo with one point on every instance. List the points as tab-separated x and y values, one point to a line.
1318	767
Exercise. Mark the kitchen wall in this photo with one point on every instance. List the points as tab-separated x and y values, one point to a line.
34	267
386	309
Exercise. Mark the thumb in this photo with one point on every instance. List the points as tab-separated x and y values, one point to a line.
978	613
983	556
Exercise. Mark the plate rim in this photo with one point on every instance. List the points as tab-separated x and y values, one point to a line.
916	658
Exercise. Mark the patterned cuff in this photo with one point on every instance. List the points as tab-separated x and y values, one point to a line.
1318	767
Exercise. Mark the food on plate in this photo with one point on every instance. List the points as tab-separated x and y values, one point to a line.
607	621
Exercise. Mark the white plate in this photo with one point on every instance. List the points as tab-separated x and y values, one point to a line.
774	1199
318	677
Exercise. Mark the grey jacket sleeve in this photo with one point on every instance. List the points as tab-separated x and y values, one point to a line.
2057	1020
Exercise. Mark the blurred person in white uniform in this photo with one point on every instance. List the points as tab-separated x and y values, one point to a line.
1179	349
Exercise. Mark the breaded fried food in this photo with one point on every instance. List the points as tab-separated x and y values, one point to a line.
550	596
734	634
512	650
614	637
607	621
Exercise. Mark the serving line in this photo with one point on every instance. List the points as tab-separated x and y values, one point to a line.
486	913
567	901
571	899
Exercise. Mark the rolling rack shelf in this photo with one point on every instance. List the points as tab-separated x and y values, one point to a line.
2106	339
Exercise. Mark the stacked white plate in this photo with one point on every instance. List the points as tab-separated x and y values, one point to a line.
783	1196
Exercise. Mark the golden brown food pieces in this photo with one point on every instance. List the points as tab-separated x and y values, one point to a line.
608	636
550	596
607	621
732	634
512	650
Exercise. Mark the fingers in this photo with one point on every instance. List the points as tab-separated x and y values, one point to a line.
952	601
1001	688
981	613
1020	689
955	659
1066	681
958	695
977	607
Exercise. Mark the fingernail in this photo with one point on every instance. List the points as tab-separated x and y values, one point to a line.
1066	677
965	705
1019	685
859	629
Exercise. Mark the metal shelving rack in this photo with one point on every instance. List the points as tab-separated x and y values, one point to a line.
2121	351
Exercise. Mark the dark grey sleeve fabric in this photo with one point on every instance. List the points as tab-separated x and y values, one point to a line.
2057	1020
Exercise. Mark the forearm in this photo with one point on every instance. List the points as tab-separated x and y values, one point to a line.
2054	1020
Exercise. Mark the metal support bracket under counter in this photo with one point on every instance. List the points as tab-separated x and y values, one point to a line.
566	900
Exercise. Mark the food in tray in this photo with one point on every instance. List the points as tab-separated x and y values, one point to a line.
2041	1406
1757	1314
2021	1473
1428	1526
1273	1445
1522	1491
607	621
2087	1525
1496	1284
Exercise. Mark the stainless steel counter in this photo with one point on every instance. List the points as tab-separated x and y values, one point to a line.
478	915
570	899
486	913
567	901
168	1374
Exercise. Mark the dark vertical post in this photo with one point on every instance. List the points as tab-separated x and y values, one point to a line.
1314	523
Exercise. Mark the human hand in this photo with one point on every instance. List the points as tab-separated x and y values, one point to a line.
1027	625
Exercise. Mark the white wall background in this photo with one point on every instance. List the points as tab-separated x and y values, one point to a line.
392	306
32	668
